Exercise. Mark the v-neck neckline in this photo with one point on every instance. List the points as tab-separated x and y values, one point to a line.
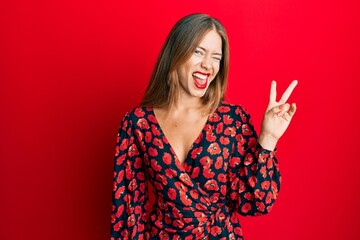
192	145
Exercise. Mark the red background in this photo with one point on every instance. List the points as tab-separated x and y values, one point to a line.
70	69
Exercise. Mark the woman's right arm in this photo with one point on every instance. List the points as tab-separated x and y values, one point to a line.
129	197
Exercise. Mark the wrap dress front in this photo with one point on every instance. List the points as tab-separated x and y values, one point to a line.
226	171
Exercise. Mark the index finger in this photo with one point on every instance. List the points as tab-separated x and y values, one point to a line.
288	91
273	91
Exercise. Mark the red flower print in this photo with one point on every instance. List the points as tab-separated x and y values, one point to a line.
152	118
211	185
269	197
181	187
215	230
131	220
152	152
223	109
240	139
194	194
220	128
120	176
163	235
248	196
214	148
222	178
226	153
155	165
249	159
206	161
230	131
176	212
124	144
214	198
252	142
252	181
143	123
214	117
148	137
138	163
155	130
133	185
120	211
133	151
246	130
225	163
208	173
269	163
158	186
196	152
139	112
219	162
259	194
118	225
234	196
224	140
265	185
260	206
184	177
129	174
172	193
210	137
119	192
142	187
167	158
274	187
263	171
238	231
235	161
223	190
138	209
157	142
185	199
170	173
195	172
227	120
246	208
162	179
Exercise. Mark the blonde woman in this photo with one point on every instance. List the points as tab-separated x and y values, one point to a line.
200	153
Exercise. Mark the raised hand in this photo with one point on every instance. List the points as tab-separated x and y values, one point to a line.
277	117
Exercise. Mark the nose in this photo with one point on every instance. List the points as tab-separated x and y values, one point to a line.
206	63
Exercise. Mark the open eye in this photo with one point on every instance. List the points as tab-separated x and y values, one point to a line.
198	52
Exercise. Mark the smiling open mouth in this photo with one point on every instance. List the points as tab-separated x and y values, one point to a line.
200	80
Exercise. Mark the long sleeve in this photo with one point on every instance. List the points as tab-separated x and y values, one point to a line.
130	192
254	173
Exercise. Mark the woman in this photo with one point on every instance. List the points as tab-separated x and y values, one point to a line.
201	154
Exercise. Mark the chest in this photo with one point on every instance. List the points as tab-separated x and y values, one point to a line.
181	133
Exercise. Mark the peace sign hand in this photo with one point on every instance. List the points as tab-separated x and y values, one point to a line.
277	117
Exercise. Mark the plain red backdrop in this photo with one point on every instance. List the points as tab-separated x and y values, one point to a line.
69	70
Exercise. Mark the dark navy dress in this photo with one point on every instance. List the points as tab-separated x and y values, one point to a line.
226	171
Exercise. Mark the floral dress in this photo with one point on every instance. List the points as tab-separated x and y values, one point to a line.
226	171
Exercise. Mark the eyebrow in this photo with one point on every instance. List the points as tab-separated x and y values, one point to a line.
204	49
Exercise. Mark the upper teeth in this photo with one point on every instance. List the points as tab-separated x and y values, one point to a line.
201	76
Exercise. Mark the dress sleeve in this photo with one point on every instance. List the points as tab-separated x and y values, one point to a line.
254	174
129	197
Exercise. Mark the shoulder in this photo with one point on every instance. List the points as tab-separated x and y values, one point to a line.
139	115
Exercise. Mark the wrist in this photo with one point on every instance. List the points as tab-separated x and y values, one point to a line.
267	141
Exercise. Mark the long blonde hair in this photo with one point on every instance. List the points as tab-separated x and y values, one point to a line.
163	88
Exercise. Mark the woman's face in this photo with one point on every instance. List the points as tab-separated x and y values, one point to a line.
201	68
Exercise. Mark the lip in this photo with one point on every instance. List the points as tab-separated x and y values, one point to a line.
199	85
